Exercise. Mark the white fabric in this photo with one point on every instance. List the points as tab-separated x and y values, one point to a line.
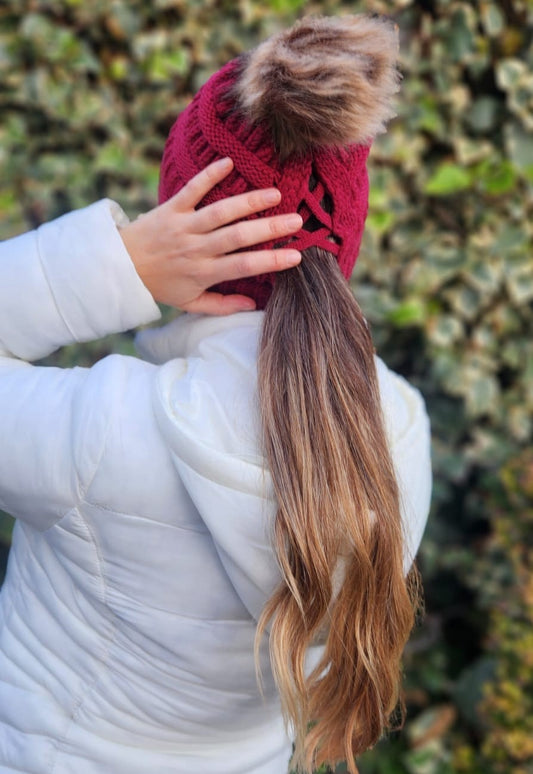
140	557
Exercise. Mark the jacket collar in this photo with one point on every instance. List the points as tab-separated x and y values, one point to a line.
183	335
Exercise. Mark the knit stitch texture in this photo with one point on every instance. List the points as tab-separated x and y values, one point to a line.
328	187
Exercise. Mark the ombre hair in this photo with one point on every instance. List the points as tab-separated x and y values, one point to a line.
338	531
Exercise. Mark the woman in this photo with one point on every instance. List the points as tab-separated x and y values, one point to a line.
220	538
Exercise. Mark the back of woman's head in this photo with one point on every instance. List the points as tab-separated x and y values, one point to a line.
300	113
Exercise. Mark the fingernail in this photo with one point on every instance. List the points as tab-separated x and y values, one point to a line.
247	306
224	163
293	257
294	222
272	197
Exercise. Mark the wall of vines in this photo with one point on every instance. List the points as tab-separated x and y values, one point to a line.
87	94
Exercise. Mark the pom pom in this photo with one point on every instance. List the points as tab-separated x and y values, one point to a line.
327	81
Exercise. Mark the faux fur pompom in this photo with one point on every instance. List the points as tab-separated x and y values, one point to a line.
326	81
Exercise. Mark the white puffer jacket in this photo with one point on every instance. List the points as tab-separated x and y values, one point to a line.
140	558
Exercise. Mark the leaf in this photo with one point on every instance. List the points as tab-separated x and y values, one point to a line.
485	275
444	330
469	151
495	177
282	6
519	282
482	394
427	115
122	21
448	179
111	157
492	18
511	239
520	422
460	38
410	312
380	222
162	65
509	73
465	301
484	114
519	143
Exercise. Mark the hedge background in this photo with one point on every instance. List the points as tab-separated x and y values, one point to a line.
87	94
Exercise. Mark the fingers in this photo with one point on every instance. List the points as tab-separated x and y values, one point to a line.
218	304
228	210
234	208
200	185
247	233
248	264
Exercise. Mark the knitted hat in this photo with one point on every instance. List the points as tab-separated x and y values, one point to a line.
298	113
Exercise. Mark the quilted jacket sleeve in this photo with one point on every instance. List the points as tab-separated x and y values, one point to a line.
69	281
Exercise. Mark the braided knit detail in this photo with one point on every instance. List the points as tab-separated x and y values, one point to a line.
211	127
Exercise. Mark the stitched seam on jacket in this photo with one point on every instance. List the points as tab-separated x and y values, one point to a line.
106	509
99	663
83	491
11	605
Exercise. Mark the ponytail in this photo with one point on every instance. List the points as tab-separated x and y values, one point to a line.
338	532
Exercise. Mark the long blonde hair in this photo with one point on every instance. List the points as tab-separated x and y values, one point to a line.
338	532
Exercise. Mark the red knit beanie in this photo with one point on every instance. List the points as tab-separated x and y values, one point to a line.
299	114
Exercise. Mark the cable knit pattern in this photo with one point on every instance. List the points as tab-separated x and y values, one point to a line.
212	127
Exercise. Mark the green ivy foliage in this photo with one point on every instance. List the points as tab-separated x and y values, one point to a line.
88	92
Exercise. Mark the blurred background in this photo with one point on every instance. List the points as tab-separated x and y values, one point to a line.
88	92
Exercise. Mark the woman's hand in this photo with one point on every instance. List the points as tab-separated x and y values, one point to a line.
179	252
